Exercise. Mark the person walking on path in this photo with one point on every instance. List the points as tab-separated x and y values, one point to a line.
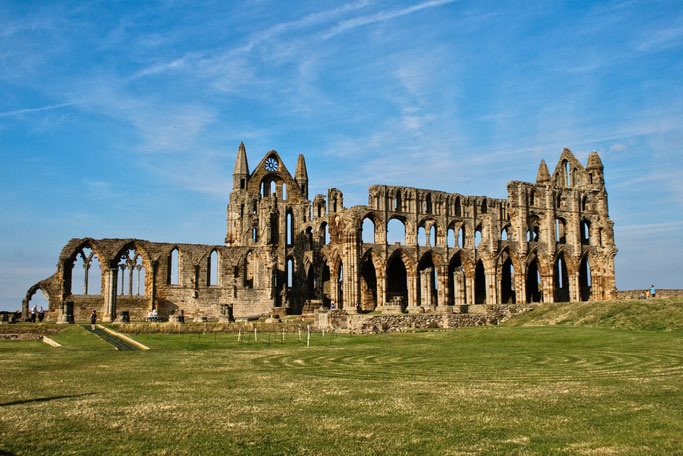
41	314
33	314
93	319
652	291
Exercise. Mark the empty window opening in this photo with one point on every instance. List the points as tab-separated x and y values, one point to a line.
132	277
368	231
309	238
421	236
506	233
397	202
340	286
450	239
284	191
396	231
249	270
212	269
174	267
483	207
532	198
290	228
86	274
432	236
567	174
461	237
254	235
560	231
290	273
585	232
428	204
458	208
477	237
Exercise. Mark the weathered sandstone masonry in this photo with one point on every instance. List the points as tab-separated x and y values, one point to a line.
408	250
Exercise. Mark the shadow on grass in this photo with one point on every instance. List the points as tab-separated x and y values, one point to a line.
42	399
6	453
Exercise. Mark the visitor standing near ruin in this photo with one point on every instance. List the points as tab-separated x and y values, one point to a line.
93	319
652	291
41	314
33	314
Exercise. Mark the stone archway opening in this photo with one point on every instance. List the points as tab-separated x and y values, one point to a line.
397	283
533	283
561	279
457	286
585	280
479	283
508	294
368	285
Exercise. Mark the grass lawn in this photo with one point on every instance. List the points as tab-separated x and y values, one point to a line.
512	389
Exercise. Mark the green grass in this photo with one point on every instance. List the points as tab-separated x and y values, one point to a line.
488	390
649	314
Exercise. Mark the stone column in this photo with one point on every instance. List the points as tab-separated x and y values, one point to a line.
413	305
459	287
110	285
442	292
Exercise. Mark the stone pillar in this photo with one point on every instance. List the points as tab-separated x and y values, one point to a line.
470	290
110	285
459	287
426	288
491	297
442	292
413	305
574	292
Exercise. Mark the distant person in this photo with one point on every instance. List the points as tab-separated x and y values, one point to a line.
332	305
652	291
33	314
643	295
93	320
41	314
155	315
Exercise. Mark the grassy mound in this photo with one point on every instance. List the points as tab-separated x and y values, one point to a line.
655	314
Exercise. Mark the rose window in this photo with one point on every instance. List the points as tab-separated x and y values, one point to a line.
271	164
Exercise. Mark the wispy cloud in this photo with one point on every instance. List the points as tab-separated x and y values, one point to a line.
359	21
18	112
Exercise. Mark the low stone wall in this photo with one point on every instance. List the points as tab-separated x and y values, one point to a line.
635	294
489	315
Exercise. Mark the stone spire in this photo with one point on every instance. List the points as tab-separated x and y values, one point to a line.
594	161
240	176
301	175
543	175
595	169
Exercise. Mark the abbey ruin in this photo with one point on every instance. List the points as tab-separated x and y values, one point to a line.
548	241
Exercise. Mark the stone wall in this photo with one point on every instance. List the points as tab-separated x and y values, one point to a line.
370	324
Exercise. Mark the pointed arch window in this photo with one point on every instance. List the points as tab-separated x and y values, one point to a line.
174	267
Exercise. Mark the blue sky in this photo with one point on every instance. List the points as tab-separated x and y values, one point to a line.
122	120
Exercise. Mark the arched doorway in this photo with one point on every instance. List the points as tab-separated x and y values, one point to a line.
427	284
457	285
